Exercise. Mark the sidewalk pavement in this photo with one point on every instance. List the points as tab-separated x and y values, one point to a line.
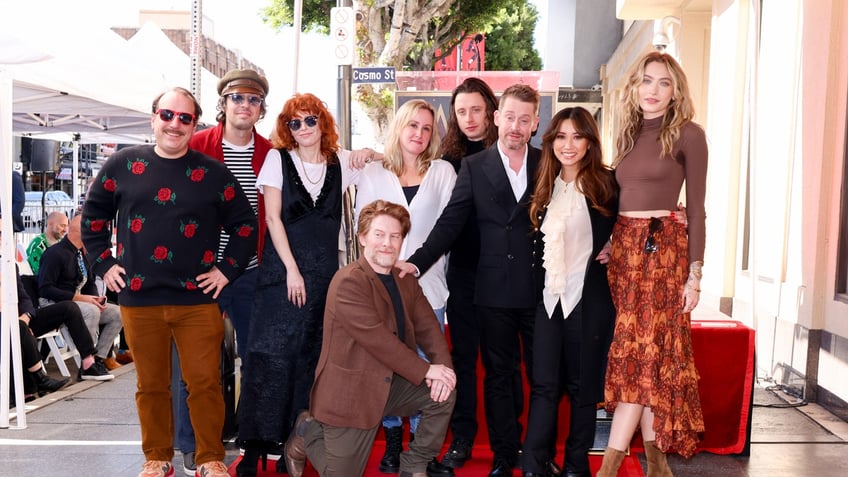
91	429
88	428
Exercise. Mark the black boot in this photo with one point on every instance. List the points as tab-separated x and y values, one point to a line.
390	463
45	383
253	450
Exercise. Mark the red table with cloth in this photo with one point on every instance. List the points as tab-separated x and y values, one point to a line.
724	356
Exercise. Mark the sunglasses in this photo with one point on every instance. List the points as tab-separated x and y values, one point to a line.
310	121
238	99
167	115
651	243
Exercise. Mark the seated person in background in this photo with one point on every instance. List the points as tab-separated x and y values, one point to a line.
57	227
374	323
51	317
37	382
65	274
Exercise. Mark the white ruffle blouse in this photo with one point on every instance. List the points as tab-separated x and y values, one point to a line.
568	244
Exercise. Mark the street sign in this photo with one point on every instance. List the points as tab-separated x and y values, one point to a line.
343	33
385	74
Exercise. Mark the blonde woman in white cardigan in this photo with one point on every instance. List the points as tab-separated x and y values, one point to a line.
410	175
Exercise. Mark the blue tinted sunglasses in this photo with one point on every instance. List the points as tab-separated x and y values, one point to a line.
239	98
310	121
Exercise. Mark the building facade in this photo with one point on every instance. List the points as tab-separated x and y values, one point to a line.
770	80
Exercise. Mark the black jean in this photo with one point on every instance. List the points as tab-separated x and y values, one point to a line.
465	348
507	334
556	348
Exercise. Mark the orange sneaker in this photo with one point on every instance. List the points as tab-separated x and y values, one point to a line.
157	468
216	468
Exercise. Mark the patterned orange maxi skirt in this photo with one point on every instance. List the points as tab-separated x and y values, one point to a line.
650	359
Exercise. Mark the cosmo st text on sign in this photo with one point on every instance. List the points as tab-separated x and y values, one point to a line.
385	74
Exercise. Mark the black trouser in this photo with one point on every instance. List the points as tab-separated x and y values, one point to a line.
556	349
505	332
465	348
29	358
50	317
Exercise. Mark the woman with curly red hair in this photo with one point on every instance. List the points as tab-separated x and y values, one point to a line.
302	181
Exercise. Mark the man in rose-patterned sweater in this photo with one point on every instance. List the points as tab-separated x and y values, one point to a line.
171	203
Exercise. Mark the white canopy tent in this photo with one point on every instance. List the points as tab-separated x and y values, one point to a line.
46	91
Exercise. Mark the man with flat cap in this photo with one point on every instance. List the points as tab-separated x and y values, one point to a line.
235	142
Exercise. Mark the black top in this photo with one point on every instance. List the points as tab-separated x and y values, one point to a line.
61	272
391	287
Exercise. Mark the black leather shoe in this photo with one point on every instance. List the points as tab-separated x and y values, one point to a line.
458	453
534	474
577	474
501	468
436	469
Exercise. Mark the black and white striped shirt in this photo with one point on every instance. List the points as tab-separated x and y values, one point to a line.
238	160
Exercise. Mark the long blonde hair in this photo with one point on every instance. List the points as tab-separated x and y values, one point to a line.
393	157
680	111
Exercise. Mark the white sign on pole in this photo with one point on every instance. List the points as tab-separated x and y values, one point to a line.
343	33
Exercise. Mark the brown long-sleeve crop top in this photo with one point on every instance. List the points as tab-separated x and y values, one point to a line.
649	182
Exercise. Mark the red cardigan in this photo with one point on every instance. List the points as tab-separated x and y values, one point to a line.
209	141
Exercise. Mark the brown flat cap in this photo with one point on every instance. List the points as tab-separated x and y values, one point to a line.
242	81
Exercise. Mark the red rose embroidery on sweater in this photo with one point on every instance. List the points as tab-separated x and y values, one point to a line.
161	253
208	257
109	184
196	175
188	229
136	223
229	192
96	225
165	195
135	282
245	230
137	167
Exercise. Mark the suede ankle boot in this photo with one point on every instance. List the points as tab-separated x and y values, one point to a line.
612	461
657	461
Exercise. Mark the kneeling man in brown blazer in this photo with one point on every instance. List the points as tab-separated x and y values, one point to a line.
369	367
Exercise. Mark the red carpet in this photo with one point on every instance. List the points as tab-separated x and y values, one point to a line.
479	466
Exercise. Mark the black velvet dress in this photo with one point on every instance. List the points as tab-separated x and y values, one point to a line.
285	341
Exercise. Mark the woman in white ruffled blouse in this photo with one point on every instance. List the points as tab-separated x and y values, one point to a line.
573	209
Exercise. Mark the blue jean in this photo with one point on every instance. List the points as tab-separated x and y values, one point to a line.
236	299
397	421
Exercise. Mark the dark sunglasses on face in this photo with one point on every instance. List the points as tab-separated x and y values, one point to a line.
651	242
238	98
310	121
167	115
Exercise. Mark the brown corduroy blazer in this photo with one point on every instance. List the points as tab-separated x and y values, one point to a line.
361	351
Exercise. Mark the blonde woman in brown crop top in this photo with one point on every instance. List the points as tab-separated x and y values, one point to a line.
655	268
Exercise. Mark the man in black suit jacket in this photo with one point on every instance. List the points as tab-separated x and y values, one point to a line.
494	188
